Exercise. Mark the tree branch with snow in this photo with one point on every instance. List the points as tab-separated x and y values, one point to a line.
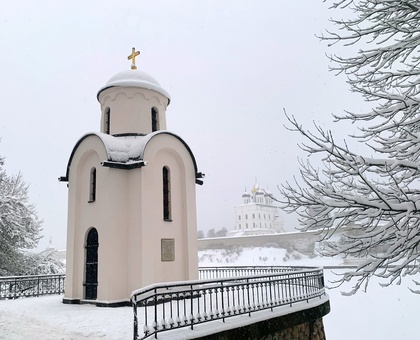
19	224
372	199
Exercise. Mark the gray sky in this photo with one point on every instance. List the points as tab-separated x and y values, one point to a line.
230	67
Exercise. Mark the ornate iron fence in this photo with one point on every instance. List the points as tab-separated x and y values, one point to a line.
14	287
206	273
163	307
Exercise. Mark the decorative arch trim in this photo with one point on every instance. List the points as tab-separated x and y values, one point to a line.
127	152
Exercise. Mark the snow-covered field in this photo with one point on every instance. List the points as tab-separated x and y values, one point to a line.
381	313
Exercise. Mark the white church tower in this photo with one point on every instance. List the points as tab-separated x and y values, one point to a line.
257	215
131	197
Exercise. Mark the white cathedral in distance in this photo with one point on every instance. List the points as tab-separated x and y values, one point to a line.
257	215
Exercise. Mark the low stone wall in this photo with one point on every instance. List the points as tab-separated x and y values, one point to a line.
302	325
303	243
313	330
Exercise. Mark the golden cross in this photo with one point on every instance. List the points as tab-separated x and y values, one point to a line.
133	56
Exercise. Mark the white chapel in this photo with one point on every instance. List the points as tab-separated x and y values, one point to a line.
257	215
131	197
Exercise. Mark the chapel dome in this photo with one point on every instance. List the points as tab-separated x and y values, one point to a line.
135	78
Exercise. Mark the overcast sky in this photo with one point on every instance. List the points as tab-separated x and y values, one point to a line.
229	66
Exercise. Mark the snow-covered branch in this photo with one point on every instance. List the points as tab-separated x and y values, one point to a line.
373	199
19	224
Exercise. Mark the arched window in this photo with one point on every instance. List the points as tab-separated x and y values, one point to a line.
91	265
92	185
155	119
107	120
166	179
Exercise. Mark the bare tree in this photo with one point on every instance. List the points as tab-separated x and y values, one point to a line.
374	199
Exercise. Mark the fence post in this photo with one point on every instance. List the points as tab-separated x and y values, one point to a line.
249	299
155	306
271	287
223	300
136	326
192	306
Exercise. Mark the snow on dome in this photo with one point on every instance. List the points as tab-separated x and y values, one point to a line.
259	192
135	78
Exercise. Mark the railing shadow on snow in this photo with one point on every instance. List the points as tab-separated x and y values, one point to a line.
162	307
14	287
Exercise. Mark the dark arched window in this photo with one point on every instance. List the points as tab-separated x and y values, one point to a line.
155	119
91	267
107	120
166	179
92	185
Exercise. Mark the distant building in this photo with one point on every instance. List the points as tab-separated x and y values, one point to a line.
257	215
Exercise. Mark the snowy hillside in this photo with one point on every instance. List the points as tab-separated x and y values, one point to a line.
261	256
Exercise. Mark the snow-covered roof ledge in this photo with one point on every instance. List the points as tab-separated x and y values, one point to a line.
125	166
127	151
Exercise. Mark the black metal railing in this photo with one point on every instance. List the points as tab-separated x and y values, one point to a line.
206	273
162	307
14	287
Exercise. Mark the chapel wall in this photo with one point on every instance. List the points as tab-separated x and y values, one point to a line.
130	110
170	152
86	157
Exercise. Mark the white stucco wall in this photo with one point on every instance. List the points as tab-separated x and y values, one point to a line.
166	150
130	109
128	215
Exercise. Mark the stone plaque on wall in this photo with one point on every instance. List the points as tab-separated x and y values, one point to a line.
167	249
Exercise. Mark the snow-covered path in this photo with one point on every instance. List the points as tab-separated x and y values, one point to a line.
48	318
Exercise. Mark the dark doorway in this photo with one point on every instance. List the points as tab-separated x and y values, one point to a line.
91	275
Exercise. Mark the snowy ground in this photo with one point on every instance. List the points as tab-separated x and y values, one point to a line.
48	318
381	313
